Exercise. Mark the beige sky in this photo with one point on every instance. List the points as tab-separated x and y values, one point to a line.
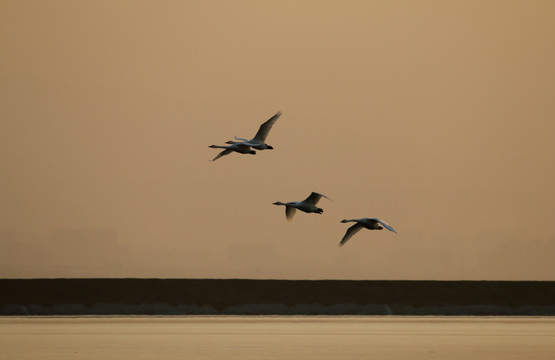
436	116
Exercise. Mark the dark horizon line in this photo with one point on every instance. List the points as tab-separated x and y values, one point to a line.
267	279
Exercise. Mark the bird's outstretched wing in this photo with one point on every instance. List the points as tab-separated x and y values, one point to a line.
314	197
385	225
350	232
289	212
223	153
265	129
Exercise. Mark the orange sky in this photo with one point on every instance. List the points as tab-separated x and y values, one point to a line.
435	116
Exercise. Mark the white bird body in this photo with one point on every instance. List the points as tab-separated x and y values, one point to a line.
258	142
238	147
368	223
308	205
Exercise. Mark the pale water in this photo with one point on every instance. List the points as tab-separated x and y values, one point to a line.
268	337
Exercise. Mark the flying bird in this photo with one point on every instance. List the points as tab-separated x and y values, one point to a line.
258	142
308	205
240	148
368	223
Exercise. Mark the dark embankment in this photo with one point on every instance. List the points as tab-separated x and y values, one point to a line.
288	297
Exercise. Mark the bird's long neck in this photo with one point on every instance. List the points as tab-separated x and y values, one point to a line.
350	220
218	147
279	203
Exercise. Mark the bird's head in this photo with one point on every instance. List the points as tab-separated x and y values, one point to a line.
320	211
379	227
270	147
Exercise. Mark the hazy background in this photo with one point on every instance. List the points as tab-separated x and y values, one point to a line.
436	116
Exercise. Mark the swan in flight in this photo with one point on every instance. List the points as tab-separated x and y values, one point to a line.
369	223
258	142
308	205
240	148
